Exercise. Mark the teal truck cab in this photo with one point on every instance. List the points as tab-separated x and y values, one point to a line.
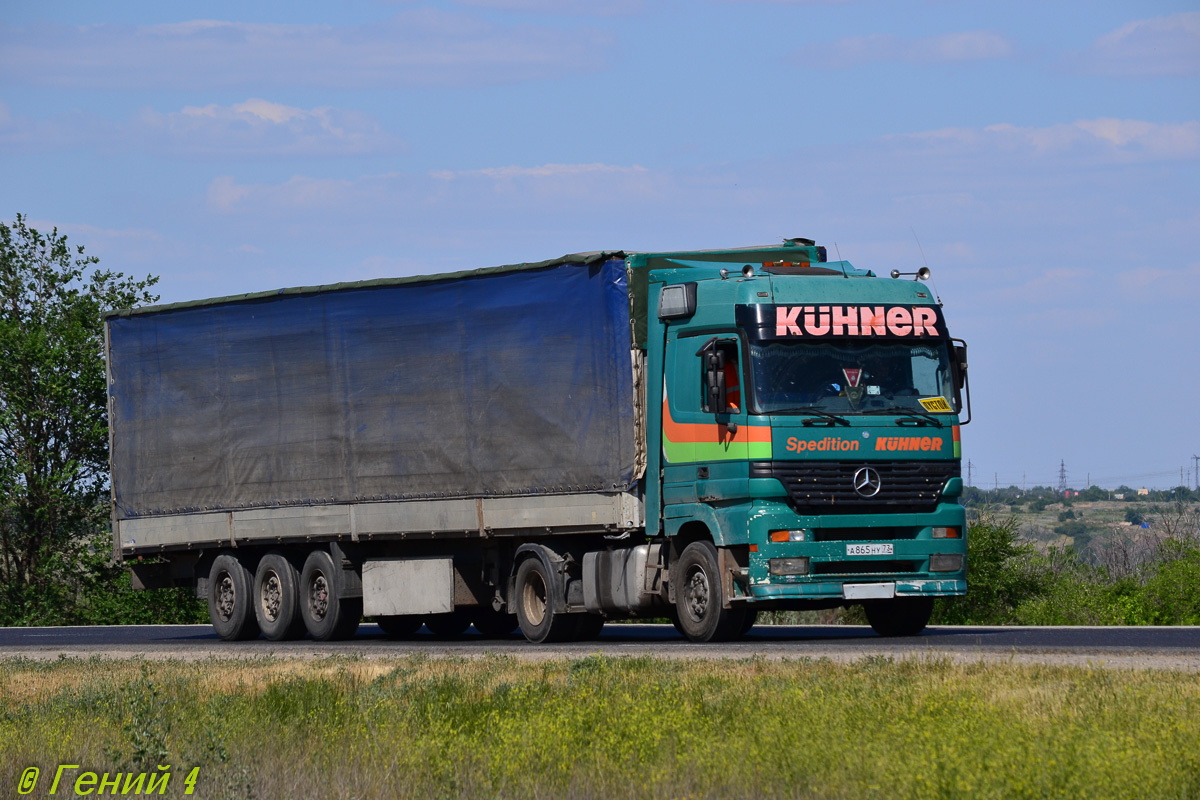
808	414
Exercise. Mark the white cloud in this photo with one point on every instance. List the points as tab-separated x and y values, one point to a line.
1104	138
388	194
1151	283
418	47
263	128
254	128
594	8
544	171
1149	47
949	47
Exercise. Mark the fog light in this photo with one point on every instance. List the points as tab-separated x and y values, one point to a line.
946	533
788	566
949	562
788	536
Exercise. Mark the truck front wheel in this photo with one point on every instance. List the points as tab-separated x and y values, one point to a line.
230	599
900	616
327	615
535	605
700	598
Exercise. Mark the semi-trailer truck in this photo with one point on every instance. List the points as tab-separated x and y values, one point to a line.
546	446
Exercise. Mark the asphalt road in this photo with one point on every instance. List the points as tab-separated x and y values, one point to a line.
1166	647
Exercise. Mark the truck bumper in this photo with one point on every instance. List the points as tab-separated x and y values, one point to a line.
917	565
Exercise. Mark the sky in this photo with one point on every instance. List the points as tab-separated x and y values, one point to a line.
1042	158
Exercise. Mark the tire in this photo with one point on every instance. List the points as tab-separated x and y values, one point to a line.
230	599
900	616
448	626
400	627
748	622
699	596
327	616
587	626
494	624
277	598
535	604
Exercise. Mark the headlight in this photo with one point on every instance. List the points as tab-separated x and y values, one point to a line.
948	562
788	566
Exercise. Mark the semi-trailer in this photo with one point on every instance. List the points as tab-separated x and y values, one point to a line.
695	435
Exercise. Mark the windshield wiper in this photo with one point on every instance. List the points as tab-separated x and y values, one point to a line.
906	412
813	411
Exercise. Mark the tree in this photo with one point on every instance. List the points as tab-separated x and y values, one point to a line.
53	400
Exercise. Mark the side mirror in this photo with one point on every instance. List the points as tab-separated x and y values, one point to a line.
716	400
714	382
962	387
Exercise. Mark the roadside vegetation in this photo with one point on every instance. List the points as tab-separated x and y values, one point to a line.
55	546
1130	563
607	727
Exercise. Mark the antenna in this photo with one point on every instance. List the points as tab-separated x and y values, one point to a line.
838	251
1062	477
936	293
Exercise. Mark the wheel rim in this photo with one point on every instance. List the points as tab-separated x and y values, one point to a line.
533	598
271	596
226	597
318	597
697	593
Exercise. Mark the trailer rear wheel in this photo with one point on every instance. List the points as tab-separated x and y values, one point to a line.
401	626
700	599
900	616
326	615
535	604
277	598
230	603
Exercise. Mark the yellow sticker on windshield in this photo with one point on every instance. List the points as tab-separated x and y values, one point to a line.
936	404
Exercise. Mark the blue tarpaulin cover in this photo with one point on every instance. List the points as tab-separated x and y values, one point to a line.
512	383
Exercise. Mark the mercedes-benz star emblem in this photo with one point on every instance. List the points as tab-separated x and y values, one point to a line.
866	482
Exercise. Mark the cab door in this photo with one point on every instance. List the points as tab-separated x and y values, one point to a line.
704	445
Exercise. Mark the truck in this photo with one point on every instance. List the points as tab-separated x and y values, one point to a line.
697	435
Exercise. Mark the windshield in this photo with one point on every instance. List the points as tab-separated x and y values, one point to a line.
851	377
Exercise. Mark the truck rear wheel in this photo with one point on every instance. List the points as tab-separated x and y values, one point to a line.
535	605
700	599
900	616
277	598
230	599
327	616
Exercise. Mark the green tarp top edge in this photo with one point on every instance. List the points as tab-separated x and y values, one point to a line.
581	259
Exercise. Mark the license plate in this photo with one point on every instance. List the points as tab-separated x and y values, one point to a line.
869	549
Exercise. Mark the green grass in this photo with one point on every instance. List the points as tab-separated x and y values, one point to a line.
608	727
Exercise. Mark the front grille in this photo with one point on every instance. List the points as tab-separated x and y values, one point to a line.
864	567
827	487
